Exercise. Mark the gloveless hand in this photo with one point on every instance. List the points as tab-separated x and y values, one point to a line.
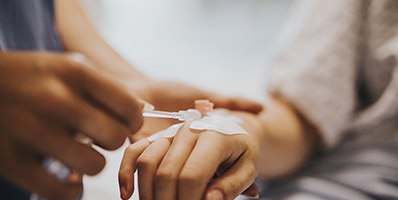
193	165
45	99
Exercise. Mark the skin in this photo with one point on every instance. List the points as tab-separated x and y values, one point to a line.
46	98
176	169
79	35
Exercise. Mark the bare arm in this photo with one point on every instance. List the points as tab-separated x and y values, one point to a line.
79	35
287	140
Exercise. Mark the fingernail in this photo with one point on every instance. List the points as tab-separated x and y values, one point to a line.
146	106
253	195
123	192
257	196
215	195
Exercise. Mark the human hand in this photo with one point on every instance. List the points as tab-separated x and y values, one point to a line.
194	164
45	99
174	96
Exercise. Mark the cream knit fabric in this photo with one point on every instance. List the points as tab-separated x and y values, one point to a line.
338	66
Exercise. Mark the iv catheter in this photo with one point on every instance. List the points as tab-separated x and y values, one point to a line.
183	115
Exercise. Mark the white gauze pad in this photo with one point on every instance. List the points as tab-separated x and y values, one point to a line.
216	121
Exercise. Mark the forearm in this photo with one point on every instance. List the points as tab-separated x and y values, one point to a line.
286	141
79	35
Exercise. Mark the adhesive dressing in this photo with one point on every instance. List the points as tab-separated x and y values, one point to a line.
216	120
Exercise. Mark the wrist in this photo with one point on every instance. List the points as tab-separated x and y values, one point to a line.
286	145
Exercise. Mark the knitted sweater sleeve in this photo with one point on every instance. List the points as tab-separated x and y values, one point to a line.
315	70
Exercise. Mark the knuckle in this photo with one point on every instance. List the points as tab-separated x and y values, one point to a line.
54	94
54	104
165	175
76	69
73	67
190	178
138	136
132	148
145	161
75	60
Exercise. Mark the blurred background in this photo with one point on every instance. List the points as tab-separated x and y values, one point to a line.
219	45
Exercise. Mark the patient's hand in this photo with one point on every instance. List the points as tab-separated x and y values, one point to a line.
193	164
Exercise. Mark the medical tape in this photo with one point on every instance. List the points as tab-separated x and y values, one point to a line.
216	120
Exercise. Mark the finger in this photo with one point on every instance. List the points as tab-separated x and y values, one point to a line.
169	169
148	164
122	104
108	95
151	126
237	103
104	130
201	165
252	191
128	166
234	181
42	182
63	106
58	143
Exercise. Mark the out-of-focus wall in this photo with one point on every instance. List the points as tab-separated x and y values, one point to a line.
210	43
